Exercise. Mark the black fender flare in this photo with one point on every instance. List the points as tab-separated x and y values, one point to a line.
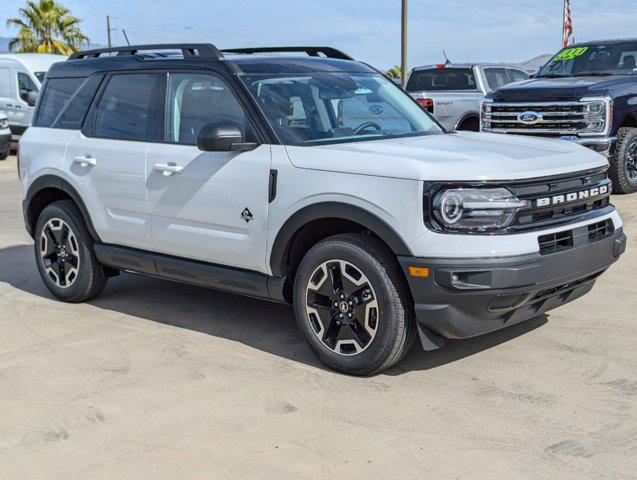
327	210
58	183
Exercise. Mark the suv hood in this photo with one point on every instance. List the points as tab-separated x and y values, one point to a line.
463	156
558	89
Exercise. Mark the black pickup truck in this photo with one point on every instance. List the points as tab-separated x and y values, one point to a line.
587	93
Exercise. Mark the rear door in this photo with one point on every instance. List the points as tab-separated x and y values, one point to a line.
107	160
209	206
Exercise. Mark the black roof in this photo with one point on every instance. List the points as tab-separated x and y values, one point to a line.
615	41
196	56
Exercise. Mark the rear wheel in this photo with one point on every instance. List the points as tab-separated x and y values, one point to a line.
623	164
352	305
64	254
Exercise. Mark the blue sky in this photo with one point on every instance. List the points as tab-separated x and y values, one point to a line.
469	30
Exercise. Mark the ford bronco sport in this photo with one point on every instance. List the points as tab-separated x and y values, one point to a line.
311	179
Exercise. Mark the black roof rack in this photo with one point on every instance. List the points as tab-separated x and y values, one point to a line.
205	50
311	51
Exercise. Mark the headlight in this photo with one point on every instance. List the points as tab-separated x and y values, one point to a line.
476	209
4	124
597	115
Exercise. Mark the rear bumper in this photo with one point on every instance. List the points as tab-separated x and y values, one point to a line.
498	292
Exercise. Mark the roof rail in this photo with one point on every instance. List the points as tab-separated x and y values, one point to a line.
311	51
206	50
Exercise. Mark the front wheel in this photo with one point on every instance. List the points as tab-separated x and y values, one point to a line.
352	305
623	164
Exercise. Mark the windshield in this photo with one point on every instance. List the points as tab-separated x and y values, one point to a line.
318	108
592	60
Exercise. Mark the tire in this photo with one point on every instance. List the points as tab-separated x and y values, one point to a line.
381	328
623	164
64	254
4	156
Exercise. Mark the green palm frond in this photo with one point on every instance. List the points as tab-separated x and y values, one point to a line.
46	26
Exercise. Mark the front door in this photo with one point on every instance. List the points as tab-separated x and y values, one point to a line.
7	94
208	206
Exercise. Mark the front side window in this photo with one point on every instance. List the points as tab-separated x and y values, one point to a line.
194	100
129	108
593	60
321	107
442	78
26	86
517	75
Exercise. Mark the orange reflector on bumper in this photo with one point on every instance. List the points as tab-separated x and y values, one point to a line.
419	272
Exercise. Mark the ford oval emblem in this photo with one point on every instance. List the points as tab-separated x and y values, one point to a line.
529	118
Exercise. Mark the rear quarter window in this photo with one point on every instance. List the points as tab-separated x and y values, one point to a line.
65	102
433	79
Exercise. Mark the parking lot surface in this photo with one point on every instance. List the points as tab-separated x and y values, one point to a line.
158	380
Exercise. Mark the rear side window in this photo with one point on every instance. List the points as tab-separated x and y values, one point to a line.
496	77
129	110
517	75
57	96
442	79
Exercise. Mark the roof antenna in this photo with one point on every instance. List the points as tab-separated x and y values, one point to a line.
125	36
447	61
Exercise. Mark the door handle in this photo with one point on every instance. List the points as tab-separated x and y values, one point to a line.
169	169
85	161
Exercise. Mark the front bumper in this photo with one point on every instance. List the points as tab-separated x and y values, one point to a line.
498	292
5	143
603	145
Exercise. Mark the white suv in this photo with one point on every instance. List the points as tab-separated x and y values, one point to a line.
308	179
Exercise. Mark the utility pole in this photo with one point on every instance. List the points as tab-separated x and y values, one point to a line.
403	45
108	30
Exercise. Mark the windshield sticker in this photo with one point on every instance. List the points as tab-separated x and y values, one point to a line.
570	54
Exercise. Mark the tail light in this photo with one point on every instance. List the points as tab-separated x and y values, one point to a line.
427	104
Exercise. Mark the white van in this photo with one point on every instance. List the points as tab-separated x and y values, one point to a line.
21	77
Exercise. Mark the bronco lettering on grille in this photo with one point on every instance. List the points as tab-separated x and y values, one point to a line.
572	197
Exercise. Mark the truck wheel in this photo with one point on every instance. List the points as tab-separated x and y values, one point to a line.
64	254
352	305
623	164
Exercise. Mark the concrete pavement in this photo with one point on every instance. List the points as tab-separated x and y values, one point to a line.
158	380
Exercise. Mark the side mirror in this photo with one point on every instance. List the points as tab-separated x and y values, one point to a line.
222	137
32	98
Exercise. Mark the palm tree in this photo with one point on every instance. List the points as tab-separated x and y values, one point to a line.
46	27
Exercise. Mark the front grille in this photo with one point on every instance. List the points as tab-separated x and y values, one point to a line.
560	118
537	215
555	242
600	230
567	239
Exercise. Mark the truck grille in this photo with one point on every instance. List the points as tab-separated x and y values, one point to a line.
561	118
537	216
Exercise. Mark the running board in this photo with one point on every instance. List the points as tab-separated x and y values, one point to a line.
193	272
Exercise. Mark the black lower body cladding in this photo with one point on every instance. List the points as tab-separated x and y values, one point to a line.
463	298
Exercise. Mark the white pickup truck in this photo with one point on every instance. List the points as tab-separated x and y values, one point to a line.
452	92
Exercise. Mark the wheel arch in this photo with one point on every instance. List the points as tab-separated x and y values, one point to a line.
46	190
472	115
340	217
